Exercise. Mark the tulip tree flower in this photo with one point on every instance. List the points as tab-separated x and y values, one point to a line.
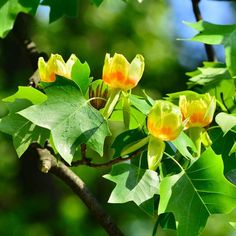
55	66
197	111
164	124
120	75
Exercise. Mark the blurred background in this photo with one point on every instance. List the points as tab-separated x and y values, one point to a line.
34	204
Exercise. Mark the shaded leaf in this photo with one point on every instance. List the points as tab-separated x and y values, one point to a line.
200	191
9	9
70	118
132	184
59	8
126	138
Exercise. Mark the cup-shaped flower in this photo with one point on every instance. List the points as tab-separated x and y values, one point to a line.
55	66
197	109
118	73
165	121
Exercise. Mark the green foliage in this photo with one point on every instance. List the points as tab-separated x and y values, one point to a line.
226	121
70	118
199	191
22	130
9	9
218	34
132	184
59	8
80	74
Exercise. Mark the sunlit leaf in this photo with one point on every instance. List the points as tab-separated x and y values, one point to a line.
218	34
226	121
70	118
80	74
132	184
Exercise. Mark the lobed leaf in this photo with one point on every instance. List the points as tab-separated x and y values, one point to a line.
132	184
70	118
200	191
23	131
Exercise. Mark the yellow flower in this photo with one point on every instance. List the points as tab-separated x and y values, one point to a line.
165	121
197	109
119	73
55	66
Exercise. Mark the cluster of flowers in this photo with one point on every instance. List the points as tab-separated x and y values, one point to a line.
165	120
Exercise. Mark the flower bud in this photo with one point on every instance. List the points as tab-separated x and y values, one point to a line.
120	74
165	121
55	66
197	109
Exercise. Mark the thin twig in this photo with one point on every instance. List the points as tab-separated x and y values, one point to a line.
48	163
208	48
87	161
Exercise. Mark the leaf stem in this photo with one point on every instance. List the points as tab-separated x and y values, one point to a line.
173	159
111	103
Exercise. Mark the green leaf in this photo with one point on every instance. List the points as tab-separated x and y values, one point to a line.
80	74
132	184
216	80
218	34
200	191
156	148
226	121
223	144
70	118
125	139
182	143
10	9
22	130
58	8
140	103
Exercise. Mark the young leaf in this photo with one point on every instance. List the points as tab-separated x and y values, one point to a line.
9	9
70	118
132	184
200	191
59	8
80	74
22	130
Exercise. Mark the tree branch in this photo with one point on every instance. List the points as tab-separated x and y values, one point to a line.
208	48
87	161
48	163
